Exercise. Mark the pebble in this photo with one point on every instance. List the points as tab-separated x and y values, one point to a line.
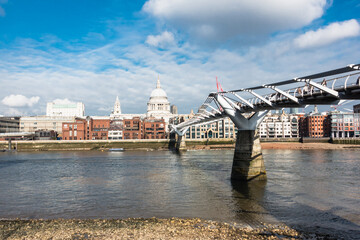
138	228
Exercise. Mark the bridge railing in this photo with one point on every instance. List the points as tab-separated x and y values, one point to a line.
321	88
301	89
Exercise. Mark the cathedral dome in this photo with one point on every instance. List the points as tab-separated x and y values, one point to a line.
158	93
158	104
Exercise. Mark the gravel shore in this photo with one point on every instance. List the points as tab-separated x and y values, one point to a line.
153	228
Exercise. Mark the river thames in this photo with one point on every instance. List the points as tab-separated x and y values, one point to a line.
310	190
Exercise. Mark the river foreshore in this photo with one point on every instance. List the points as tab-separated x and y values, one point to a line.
164	144
281	145
138	228
297	145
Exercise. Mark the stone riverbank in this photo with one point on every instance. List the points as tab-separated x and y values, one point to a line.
143	144
153	228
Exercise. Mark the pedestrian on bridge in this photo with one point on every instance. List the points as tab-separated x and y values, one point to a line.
306	88
323	82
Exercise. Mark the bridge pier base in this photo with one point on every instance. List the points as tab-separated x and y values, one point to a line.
248	162
181	144
172	141
9	144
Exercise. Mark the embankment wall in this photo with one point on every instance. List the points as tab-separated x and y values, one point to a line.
63	145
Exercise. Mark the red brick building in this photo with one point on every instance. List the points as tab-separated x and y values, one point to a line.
154	129
99	129
133	128
86	129
74	130
315	126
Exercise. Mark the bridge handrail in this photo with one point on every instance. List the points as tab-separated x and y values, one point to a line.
310	91
308	87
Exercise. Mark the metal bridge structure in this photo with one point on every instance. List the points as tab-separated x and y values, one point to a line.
247	107
12	135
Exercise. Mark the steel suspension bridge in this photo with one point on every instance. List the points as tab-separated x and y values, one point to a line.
247	107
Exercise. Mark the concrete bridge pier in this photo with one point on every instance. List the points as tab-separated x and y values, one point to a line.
248	162
172	141
181	144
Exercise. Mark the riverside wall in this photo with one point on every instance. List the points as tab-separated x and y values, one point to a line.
139	144
346	141
163	144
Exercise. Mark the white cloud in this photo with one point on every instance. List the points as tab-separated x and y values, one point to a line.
222	20
63	101
20	101
329	34
163	40
187	73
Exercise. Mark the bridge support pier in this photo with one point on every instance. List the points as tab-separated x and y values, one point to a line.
181	144
172	141
9	144
248	162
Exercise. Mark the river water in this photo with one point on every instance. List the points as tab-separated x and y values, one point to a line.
311	190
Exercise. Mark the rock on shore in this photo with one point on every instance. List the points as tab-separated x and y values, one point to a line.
153	228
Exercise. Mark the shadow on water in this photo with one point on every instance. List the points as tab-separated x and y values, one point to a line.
307	219
172	142
9	163
248	197
9	159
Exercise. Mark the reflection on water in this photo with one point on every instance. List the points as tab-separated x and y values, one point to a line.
313	190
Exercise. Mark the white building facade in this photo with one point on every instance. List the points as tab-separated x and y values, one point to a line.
345	124
54	109
32	124
223	128
279	126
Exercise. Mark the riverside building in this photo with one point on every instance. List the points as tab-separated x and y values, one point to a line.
56	115
223	128
9	124
279	126
70	109
154	129
91	128
32	124
133	128
315	125
345	124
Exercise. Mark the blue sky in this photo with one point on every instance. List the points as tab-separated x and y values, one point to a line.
92	51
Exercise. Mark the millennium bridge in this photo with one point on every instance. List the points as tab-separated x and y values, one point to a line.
247	107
